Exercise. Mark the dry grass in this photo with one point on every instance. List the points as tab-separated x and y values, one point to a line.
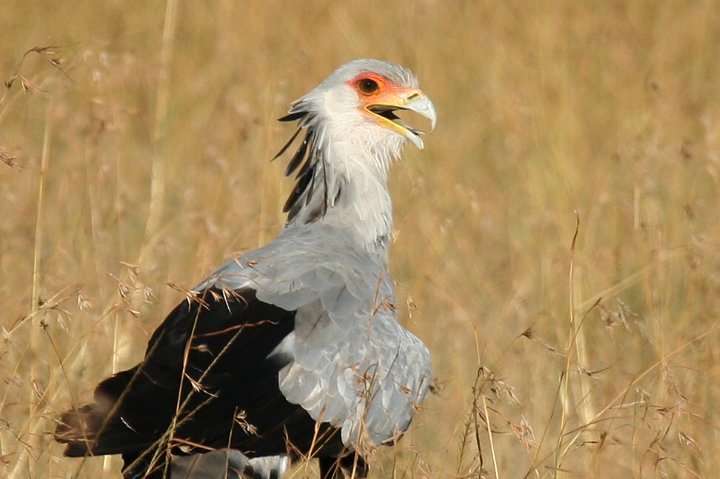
594	361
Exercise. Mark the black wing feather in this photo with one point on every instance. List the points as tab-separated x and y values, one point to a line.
205	365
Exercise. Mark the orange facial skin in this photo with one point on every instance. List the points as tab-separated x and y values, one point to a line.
376	90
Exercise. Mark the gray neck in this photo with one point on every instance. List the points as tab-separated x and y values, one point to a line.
341	179
348	189
347	196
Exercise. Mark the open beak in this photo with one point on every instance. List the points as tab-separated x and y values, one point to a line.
413	100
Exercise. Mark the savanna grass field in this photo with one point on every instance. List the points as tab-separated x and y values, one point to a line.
557	242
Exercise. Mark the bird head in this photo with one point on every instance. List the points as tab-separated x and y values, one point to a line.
364	96
352	132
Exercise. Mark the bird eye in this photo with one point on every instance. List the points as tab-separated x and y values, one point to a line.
368	86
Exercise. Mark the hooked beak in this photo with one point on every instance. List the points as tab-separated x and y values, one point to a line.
414	100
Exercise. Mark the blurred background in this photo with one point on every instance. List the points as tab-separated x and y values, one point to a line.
557	243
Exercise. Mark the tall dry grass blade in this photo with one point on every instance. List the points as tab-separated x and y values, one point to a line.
159	165
490	438
585	409
565	398
35	424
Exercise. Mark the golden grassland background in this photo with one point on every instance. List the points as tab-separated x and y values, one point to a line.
135	158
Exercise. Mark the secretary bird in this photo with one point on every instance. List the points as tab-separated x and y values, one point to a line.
292	350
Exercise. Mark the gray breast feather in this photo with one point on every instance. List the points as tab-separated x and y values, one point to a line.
353	365
368	383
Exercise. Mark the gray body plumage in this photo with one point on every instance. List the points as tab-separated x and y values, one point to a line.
350	363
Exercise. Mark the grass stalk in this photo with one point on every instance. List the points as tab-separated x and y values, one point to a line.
159	164
566	401
24	467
